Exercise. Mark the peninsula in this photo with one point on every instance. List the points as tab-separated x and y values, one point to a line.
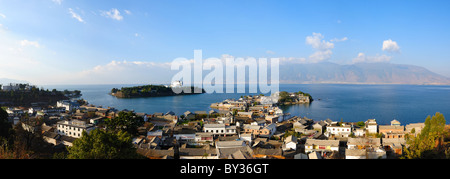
153	91
26	95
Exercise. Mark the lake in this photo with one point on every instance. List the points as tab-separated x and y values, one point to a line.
352	103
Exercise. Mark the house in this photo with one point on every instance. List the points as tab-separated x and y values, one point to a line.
219	129
314	155
101	112
395	123
299	127
184	133
155	153
258	122
377	153
268	130
198	153
272	118
80	116
204	137
243	152
392	131
371	126
359	131
188	115
362	143
230	144
364	148
335	130
263	153
73	128
68	105
252	129
51	137
32	125
394	145
313	145
290	143
51	111
355	154
246	138
66	140
414	128
245	114
320	126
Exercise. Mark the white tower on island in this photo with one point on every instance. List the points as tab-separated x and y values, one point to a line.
176	84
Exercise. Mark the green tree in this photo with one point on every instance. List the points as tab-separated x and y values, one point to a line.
126	121
6	129
429	143
100	144
361	124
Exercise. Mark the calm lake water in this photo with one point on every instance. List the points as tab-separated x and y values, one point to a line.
352	103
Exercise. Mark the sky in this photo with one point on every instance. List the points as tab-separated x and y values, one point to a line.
114	42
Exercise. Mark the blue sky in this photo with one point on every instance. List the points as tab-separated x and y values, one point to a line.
85	41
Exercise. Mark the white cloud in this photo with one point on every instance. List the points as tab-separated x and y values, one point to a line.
3	16
75	15
362	58
127	12
316	42
339	40
57	1
270	52
322	47
25	43
113	14
390	46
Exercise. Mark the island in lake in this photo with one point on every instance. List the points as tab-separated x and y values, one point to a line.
154	91
276	99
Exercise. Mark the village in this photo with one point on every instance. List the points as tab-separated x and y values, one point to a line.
252	127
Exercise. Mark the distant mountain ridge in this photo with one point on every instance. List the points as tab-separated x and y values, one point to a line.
6	81
360	73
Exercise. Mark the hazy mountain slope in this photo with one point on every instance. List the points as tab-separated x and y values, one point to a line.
360	73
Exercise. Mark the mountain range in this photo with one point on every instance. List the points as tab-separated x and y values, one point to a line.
291	73
360	73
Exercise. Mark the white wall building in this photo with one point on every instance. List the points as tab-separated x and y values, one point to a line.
73	128
338	131
219	129
372	126
290	143
176	84
69	105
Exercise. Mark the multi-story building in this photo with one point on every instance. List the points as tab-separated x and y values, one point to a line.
68	105
219	129
73	128
371	126
338	130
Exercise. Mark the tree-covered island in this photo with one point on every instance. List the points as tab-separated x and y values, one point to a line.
154	91
286	98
